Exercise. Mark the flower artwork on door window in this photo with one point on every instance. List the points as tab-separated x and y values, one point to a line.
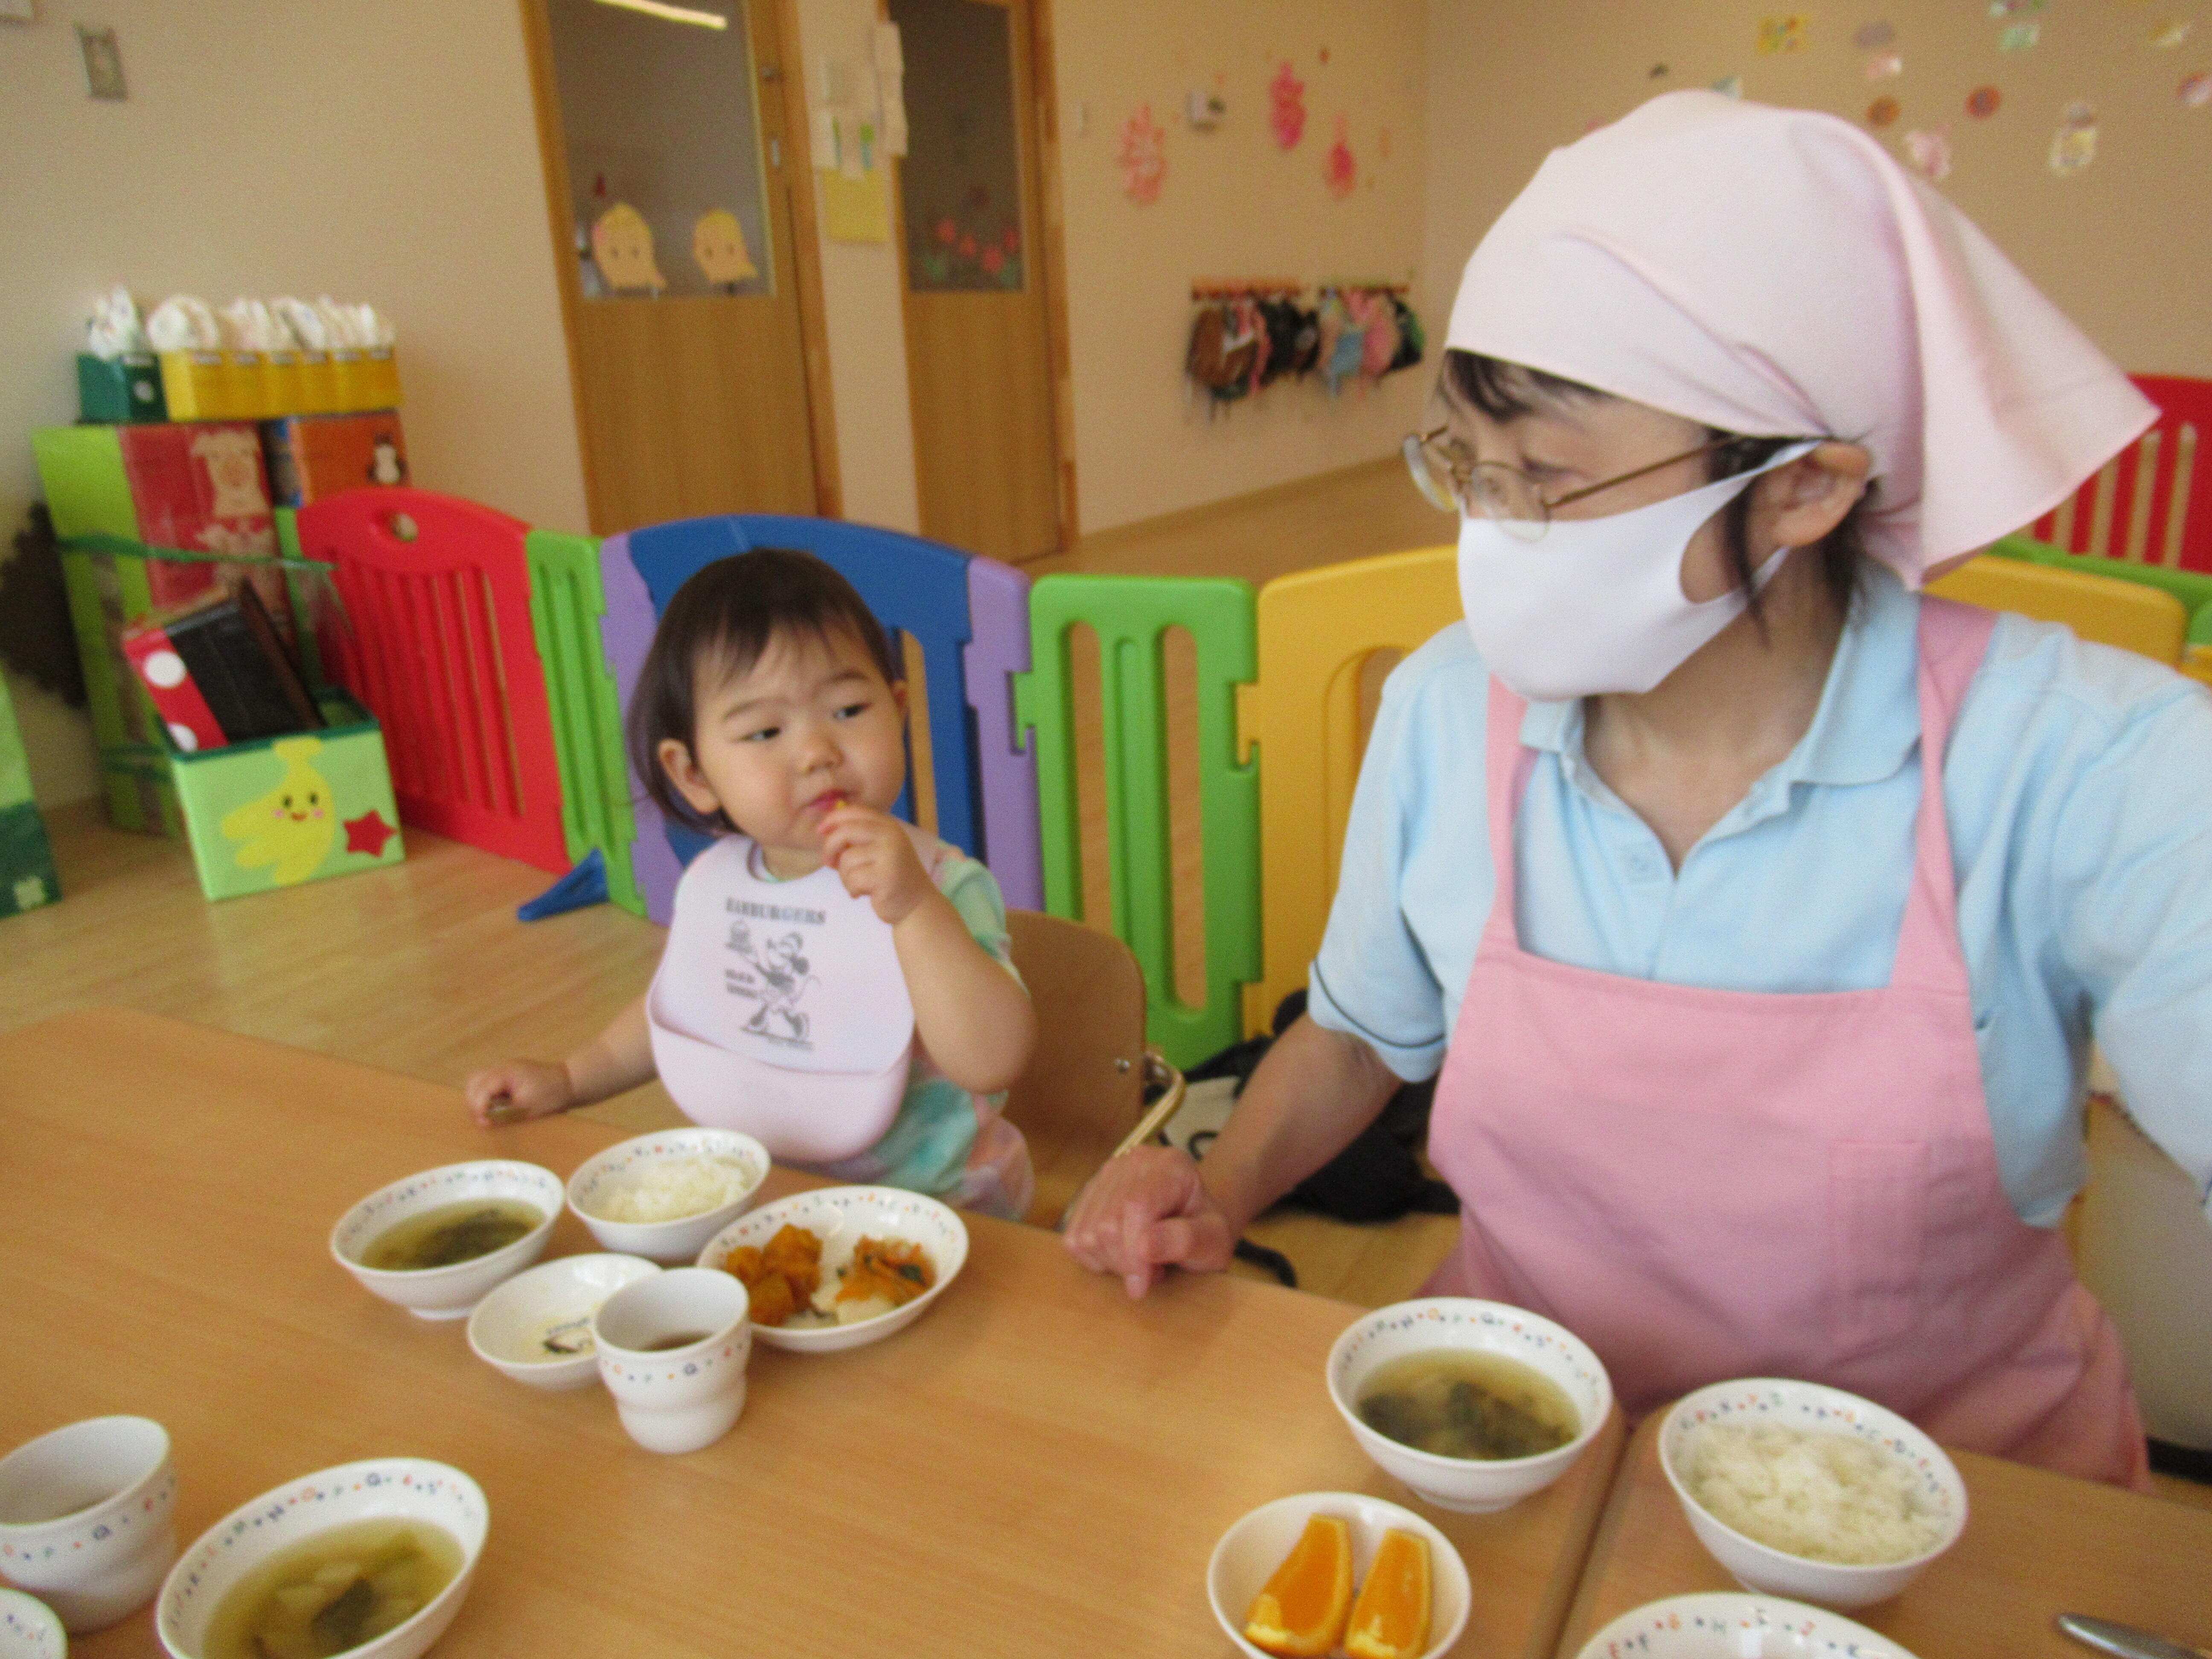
961	182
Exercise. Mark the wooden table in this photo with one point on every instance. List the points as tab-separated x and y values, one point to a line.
1038	1467
2036	1545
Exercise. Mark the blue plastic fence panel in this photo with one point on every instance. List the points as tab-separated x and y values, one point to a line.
914	587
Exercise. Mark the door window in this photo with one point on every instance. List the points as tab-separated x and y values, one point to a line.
961	183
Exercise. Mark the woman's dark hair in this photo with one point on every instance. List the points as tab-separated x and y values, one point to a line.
724	619
1505	391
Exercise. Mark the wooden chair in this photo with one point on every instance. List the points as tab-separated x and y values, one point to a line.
1084	1097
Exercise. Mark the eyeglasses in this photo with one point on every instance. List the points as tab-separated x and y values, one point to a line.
1504	494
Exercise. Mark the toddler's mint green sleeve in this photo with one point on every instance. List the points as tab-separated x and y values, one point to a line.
974	894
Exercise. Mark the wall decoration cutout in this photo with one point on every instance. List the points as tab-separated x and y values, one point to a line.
1982	102
1658	72
2074	146
718	247
1729	86
2196	90
2019	37
1340	168
1142	157
2014	8
1928	153
2174	31
1782	34
1287	113
1882	112
1872	37
622	247
1884	66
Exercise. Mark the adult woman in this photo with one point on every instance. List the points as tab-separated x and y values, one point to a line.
1768	1059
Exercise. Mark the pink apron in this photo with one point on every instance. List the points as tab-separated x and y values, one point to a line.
1707	1184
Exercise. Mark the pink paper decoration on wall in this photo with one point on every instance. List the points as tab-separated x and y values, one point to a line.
2196	90
1982	102
1340	168
1928	153
1142	157
1288	115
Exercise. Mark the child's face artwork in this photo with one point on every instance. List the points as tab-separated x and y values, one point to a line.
718	243
232	460
622	247
811	725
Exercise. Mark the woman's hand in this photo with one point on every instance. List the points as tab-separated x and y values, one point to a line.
873	855
1146	1211
517	1090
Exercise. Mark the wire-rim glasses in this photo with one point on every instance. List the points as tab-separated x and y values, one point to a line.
1504	494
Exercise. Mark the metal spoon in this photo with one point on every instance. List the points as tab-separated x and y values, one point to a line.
2124	1641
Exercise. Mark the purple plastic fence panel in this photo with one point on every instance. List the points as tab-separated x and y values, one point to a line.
626	631
998	648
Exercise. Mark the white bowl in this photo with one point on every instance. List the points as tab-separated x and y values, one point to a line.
447	1293
87	1518
555	1300
841	1217
1470	1484
1759	1566
1249	1552
1721	1625
670	1242
28	1629
383	1488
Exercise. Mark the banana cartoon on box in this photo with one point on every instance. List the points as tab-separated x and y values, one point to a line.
293	825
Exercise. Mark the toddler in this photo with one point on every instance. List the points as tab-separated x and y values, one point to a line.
836	982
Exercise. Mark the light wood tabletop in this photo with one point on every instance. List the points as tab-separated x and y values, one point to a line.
1036	1467
2036	1545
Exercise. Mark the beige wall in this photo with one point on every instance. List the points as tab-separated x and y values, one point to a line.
865	323
1233	205
2123	247
372	149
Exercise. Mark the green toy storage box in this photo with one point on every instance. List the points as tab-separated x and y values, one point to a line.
284	810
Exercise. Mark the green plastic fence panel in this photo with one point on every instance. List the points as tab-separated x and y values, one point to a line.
566	604
1130	616
2192	588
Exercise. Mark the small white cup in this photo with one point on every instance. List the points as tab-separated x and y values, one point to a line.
681	1399
87	1518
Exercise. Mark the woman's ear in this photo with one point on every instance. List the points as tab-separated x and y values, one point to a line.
1802	502
690	782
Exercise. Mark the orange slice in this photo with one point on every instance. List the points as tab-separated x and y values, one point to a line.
1301	1612
1390	1620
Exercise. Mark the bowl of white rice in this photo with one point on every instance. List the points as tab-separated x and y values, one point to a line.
663	1195
1807	1492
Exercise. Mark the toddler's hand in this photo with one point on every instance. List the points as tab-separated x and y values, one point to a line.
876	858
517	1090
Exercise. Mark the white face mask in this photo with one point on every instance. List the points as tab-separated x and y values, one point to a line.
1596	604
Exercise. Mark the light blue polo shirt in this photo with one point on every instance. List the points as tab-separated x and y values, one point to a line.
2079	789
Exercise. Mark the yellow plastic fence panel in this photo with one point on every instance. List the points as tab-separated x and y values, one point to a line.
2099	608
1316	631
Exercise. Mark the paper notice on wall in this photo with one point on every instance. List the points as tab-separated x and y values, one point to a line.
895	127
856	209
890	54
852	156
822	135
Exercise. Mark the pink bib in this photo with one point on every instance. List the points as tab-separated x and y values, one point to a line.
780	1008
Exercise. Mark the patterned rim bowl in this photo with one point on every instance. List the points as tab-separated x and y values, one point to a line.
537	1328
1725	1625
1469	1485
384	1488
671	1243
447	1293
1760	1567
841	1217
28	1629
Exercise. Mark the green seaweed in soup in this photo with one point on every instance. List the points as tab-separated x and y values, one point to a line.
451	1233
334	1591
1457	1402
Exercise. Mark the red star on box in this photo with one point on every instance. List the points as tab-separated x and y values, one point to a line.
367	834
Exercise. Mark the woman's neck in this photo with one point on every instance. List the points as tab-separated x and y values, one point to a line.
1684	753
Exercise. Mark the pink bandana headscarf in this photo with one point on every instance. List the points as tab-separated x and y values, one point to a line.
1775	272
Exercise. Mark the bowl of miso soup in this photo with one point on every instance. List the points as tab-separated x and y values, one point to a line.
368	1559
1473	1404
437	1241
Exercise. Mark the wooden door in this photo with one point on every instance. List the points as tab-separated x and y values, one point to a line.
684	230
981	362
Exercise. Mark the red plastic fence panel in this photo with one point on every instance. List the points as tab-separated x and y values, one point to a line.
435	639
2153	502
